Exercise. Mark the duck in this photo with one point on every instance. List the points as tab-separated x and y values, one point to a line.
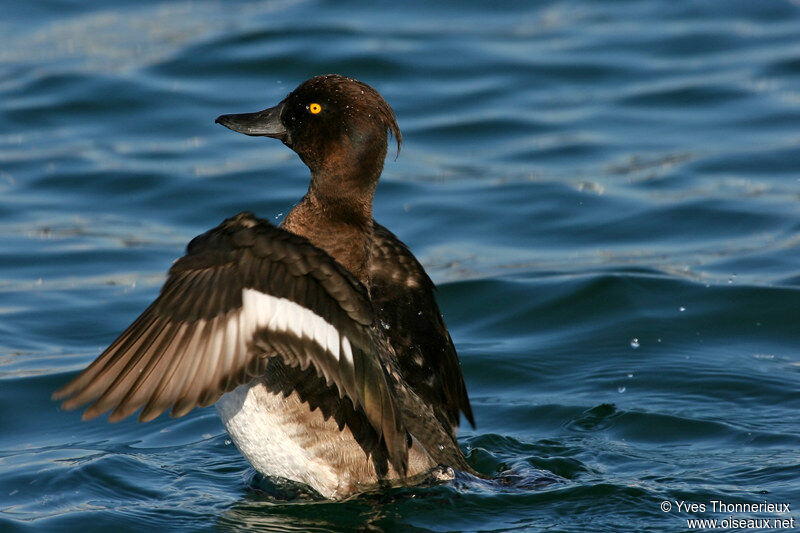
319	341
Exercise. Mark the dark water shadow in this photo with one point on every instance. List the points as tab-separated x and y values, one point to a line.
274	504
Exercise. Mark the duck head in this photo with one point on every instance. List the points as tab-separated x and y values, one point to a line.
337	125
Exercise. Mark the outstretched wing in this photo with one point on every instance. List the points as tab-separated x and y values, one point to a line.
402	294
244	291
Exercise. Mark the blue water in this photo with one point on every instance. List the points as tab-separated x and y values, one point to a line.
606	193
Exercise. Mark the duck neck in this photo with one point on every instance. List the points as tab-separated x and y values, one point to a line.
336	212
339	200
343	183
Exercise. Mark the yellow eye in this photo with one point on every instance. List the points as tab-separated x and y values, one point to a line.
315	108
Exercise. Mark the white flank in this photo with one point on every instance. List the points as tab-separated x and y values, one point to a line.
273	441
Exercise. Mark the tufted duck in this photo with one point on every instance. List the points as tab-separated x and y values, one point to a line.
319	341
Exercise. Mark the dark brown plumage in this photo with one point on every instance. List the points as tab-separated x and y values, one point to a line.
331	309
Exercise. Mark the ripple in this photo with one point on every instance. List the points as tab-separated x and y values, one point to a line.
572	176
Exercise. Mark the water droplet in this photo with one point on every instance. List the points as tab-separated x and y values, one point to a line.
441	447
385	324
681	309
621	389
630	375
733	277
658	339
227	442
634	343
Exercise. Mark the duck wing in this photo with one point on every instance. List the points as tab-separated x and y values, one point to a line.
403	298
244	292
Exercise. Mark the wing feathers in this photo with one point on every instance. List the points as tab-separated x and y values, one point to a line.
83	387
156	358
178	386
245	291
164	395
116	363
123	379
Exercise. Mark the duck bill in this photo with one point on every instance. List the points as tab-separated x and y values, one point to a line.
266	123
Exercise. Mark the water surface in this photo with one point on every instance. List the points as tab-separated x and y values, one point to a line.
607	194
